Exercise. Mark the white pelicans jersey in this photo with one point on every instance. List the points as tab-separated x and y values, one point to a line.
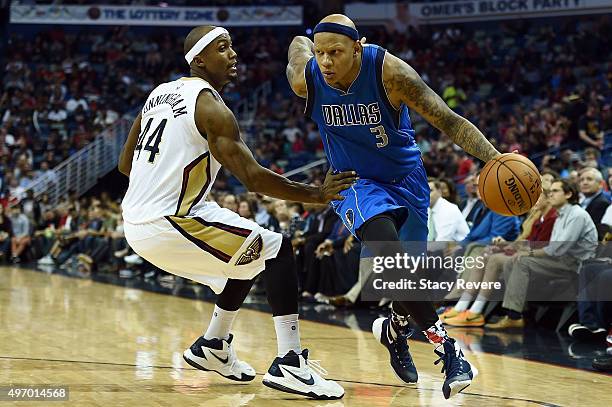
172	169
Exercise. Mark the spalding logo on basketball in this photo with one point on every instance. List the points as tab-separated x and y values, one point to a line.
510	184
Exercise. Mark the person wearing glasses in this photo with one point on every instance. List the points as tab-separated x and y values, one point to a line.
573	240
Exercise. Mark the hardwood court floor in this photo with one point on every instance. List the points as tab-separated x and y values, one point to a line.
116	346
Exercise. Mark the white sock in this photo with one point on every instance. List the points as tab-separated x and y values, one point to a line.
287	329
463	302
479	304
220	324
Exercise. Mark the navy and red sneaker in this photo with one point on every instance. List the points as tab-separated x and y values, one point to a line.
459	373
399	353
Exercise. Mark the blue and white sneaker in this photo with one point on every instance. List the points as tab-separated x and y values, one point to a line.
295	374
399	353
219	356
459	372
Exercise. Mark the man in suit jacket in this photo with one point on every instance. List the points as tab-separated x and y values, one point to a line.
470	204
594	201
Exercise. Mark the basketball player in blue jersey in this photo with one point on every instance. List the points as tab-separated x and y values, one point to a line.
359	96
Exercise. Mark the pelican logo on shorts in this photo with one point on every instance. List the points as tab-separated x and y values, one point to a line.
252	252
350	218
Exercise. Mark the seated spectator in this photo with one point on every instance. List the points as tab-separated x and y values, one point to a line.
102	247
573	240
469	203
262	216
6	234
296	220
592	157
594	301
448	191
593	199
246	209
229	202
590	128
488	225
606	220
537	227
31	207
318	226
21	233
548	177
266	215
324	277
280	212
119	246
67	237
92	236
44	233
594	282
446	223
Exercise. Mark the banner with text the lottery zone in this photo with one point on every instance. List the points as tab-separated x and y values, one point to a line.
162	16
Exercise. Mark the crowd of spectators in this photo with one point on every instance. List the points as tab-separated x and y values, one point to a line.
536	87
61	87
539	88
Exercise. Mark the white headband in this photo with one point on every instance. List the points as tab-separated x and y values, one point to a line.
203	42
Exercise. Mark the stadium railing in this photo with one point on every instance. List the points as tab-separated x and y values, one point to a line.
83	169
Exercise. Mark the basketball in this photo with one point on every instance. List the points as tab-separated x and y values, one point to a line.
510	184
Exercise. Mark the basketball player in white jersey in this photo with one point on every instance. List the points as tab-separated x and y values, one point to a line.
176	146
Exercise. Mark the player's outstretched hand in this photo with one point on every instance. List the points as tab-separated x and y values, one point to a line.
334	183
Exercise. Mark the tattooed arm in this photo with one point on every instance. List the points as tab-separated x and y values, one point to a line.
300	51
404	85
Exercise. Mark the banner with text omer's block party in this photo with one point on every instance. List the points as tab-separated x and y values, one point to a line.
472	10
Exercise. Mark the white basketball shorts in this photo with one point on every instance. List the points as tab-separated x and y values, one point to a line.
209	247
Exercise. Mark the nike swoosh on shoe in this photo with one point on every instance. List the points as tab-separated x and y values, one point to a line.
308	382
388	333
224	361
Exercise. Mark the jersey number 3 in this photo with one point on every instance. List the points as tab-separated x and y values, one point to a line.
153	141
379	131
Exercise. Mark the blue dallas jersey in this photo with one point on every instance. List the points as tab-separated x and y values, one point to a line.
362	131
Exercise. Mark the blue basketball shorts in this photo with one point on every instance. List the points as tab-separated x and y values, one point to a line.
368	198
